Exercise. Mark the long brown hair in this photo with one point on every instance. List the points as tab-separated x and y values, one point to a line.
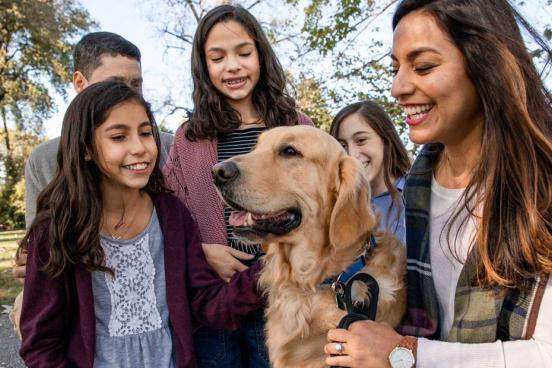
511	187
396	162
212	113
72	202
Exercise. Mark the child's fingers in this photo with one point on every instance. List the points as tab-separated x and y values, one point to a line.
239	254
239	267
18	272
21	257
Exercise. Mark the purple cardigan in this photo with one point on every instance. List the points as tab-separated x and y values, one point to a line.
58	322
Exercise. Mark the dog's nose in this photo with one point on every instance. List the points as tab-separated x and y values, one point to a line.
224	172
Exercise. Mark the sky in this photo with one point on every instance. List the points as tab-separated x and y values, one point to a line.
164	71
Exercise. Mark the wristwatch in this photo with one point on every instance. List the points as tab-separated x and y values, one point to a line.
403	354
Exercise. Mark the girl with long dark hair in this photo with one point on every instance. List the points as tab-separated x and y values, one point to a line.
239	91
115	267
367	133
478	197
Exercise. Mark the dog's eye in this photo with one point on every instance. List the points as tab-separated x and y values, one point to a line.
289	151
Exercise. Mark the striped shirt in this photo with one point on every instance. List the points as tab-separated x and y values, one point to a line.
231	144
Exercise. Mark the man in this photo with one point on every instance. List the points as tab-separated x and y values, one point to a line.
98	56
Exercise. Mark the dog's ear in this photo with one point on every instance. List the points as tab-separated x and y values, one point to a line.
352	216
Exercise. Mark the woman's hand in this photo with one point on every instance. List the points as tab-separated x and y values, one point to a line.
225	260
365	344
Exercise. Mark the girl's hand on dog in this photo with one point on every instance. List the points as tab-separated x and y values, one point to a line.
225	260
365	344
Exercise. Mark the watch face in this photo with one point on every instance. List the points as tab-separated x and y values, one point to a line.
401	358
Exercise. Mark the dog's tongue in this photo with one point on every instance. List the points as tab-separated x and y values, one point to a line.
237	218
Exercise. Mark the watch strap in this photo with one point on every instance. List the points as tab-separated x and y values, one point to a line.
409	342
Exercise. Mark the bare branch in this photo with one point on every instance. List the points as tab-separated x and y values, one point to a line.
370	21
193	9
253	4
173	47
184	38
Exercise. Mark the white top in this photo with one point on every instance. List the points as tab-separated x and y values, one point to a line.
533	353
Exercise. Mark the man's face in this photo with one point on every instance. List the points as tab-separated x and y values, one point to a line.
118	67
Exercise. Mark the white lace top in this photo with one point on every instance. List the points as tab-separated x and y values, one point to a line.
132	320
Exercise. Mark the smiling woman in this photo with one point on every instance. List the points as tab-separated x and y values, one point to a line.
478	197
432	84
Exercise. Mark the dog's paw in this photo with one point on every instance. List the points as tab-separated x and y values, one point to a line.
360	294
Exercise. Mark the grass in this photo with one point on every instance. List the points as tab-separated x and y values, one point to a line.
9	287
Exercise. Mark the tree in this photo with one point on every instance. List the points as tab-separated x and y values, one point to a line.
347	33
36	41
12	204
312	101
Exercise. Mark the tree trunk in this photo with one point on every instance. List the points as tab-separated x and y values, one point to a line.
7	135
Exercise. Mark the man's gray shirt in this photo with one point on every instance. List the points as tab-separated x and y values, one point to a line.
41	167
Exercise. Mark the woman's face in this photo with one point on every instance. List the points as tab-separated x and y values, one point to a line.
363	143
431	83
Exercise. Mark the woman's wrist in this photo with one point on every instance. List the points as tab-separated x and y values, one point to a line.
404	353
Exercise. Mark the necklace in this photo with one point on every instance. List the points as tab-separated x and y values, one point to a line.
121	224
259	121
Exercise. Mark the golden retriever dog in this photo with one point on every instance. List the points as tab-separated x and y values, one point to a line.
308	203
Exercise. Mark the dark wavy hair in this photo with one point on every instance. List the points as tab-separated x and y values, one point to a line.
396	162
512	183
72	202
212	113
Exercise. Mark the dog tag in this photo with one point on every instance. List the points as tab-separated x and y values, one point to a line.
339	290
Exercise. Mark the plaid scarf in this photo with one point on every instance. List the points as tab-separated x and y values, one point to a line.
480	315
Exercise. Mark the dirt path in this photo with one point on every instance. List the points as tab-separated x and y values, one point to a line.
9	356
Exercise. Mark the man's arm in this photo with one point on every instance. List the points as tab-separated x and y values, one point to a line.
40	169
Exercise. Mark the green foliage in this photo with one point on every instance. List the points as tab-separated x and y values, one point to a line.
9	286
311	100
343	32
36	43
12	202
324	34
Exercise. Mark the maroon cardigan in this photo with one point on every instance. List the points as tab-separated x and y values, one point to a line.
58	321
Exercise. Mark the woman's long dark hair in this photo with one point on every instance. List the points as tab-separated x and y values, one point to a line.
72	202
511	188
396	162
212	113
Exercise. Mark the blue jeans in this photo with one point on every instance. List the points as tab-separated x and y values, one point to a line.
244	347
